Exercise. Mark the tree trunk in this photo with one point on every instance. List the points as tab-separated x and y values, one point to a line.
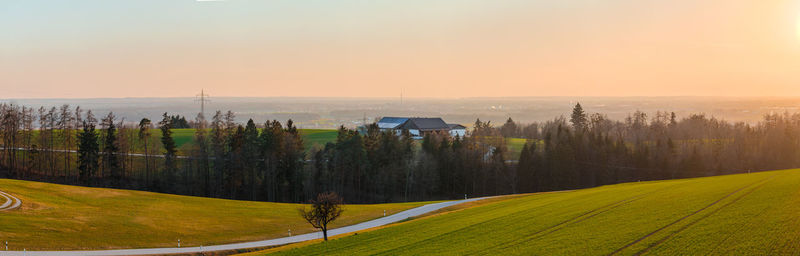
146	164
325	231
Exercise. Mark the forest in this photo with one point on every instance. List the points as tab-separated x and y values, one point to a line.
269	162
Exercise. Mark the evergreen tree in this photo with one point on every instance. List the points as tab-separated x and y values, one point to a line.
294	161
271	142
88	153
509	129
111	148
178	122
525	168
672	119
144	137
232	177
251	155
219	151
170	150
578	118
290	163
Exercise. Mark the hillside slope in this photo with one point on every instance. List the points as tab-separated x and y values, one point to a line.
751	214
59	217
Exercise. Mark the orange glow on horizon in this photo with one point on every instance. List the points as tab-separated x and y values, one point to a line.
376	49
797	27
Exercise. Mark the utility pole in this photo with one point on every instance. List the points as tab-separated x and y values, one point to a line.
202	98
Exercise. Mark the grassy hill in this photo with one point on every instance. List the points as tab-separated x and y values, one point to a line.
746	214
70	217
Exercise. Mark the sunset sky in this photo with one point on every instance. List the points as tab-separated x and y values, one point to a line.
459	48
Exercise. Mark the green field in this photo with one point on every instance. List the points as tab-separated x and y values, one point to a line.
310	137
318	136
514	146
746	214
181	136
183	140
69	217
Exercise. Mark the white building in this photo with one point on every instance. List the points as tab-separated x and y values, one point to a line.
457	130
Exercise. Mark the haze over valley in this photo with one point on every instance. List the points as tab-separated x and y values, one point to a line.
330	113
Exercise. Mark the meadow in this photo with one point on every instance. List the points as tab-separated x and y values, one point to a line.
60	217
311	138
183	137
514	146
744	214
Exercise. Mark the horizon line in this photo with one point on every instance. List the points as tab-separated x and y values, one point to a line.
413	97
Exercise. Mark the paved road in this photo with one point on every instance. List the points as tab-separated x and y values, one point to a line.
11	202
272	242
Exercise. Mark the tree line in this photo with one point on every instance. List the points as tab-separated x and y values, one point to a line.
591	150
268	162
225	160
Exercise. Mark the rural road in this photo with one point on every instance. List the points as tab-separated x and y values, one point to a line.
11	202
264	243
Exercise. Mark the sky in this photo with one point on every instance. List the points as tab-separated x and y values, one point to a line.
420	48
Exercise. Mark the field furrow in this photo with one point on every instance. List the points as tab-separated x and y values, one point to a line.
575	220
686	217
692	223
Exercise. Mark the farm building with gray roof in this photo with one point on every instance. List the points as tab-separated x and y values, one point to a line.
421	126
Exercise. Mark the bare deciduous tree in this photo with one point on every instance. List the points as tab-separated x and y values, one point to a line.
325	209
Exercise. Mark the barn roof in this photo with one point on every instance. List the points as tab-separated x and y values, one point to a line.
425	124
456	126
391	122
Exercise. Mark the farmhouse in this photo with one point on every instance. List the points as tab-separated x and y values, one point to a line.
421	126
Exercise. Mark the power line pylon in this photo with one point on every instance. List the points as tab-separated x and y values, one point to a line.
202	98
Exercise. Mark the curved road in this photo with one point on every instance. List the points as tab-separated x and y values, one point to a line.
272	242
11	202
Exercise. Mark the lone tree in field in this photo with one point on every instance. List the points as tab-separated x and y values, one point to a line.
325	209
